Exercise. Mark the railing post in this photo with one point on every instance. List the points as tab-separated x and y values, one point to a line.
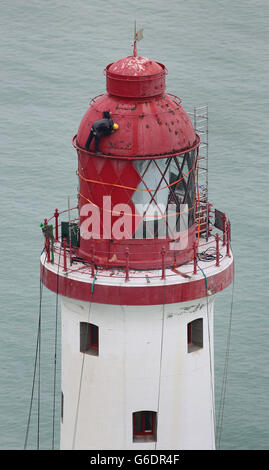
224	229
48	249
163	267
64	246
228	239
194	259
56	216
127	264
217	249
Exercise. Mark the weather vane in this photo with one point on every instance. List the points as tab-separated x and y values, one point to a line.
138	35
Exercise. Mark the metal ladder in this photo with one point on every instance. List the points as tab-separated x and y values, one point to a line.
200	123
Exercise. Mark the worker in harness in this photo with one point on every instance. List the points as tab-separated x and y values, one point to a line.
99	128
49	237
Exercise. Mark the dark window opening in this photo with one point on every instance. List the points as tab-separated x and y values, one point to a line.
71	229
89	338
195	335
189	333
144	426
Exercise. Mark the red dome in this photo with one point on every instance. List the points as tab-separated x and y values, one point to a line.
135	66
150	123
153	127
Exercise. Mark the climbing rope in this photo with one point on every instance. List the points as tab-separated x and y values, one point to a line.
225	373
210	356
208	255
36	363
161	356
55	354
82	366
39	378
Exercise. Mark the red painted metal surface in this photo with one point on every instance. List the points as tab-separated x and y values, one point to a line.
155	133
135	66
135	77
143	253
152	125
134	295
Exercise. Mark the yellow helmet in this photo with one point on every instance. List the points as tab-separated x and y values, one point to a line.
115	126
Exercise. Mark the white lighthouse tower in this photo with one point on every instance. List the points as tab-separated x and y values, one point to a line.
137	265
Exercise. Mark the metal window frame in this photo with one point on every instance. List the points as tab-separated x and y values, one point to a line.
143	432
89	345
93	345
172	190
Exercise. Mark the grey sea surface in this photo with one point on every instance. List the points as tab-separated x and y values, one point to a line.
52	57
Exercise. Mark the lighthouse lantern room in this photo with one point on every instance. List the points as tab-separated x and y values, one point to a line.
137	265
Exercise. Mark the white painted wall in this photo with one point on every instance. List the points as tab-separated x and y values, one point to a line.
105	390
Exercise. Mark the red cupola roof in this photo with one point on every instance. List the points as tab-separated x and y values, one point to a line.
135	77
151	122
135	66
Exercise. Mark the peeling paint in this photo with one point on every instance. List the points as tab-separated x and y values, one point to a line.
193	308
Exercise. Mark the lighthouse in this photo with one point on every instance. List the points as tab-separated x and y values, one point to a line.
137	265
